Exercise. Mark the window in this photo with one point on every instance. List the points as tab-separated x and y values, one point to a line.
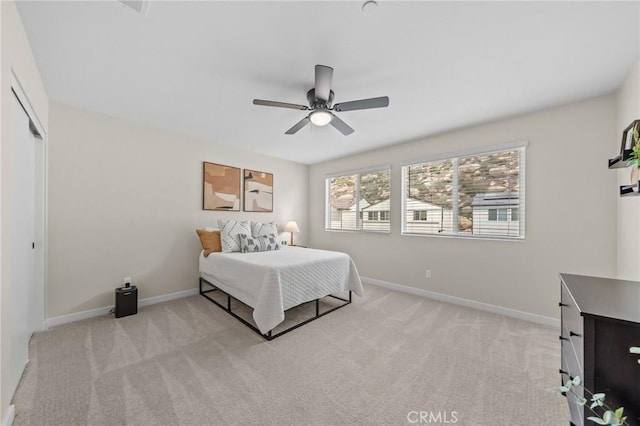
420	215
498	214
477	194
359	201
378	215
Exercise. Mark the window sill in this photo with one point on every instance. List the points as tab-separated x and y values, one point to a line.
363	231
464	237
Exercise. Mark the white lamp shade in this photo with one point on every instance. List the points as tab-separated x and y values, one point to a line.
291	227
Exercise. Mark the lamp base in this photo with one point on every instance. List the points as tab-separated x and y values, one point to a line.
291	243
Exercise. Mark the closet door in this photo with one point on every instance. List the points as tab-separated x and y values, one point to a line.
22	286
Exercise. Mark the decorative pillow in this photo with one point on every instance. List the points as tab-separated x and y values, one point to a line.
229	234
250	244
210	241
259	229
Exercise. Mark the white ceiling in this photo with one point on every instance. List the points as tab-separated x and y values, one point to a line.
194	67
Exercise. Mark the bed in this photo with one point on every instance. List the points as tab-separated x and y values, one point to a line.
271	282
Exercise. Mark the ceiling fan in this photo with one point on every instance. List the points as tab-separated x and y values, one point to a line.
320	100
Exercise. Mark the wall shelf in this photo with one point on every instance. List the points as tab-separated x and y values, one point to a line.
629	191
620	161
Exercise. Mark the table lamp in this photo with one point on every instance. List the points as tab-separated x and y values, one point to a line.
291	227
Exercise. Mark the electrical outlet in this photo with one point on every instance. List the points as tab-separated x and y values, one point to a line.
427	273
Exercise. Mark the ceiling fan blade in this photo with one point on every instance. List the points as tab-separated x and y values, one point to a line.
362	104
299	125
279	104
324	75
341	126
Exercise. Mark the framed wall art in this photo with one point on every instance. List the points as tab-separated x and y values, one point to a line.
258	191
220	187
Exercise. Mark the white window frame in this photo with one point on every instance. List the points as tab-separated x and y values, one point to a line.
359	216
454	157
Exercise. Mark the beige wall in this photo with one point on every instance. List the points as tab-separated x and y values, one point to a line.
628	109
570	213
126	199
15	58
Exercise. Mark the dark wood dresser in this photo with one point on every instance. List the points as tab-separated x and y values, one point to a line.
600	321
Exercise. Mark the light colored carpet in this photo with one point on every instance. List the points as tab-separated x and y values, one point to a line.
372	362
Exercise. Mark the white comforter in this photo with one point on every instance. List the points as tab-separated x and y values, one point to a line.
272	282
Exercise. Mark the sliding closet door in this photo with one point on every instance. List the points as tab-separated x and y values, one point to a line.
22	287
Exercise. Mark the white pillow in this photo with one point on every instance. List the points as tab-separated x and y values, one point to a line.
230	231
211	229
251	244
259	229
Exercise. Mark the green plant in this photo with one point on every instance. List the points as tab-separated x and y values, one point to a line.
634	157
609	416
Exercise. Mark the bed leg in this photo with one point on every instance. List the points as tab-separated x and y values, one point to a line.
317	308
349	296
228	303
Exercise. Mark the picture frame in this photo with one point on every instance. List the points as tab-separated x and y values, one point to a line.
220	187
257	191
627	137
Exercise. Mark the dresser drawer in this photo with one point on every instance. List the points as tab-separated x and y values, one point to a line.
576	411
572	326
569	370
570	361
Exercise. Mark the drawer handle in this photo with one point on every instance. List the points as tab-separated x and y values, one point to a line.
562	305
571	334
563	338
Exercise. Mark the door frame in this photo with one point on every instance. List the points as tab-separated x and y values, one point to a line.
42	159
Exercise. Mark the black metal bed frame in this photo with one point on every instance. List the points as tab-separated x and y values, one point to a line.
268	335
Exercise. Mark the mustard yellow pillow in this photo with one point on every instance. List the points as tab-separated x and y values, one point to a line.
210	241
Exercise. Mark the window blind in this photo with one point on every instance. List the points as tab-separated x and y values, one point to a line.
474	195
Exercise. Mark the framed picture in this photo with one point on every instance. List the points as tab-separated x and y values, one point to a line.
627	136
258	191
220	187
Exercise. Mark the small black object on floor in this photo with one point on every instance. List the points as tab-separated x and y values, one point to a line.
126	301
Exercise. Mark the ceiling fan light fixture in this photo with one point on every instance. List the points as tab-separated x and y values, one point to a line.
320	117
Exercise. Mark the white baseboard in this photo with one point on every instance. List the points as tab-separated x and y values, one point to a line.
166	297
526	316
7	420
64	319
